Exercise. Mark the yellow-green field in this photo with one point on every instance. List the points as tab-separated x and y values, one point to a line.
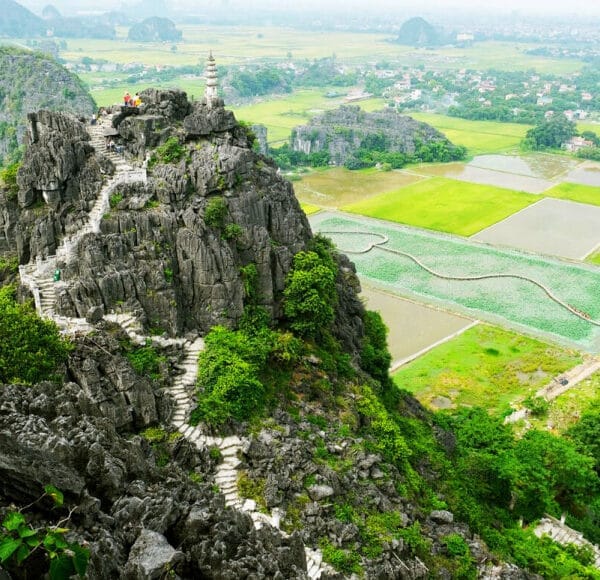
309	209
594	258
486	367
282	114
445	205
575	192
336	187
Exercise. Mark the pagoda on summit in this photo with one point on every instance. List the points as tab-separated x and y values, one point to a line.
210	92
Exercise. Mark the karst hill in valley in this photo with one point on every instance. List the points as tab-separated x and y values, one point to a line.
285	452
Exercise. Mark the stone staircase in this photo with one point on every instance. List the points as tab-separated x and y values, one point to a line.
563	534
38	276
231	447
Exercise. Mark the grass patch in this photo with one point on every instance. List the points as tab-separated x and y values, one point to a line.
565	410
594	258
485	367
445	205
308	209
575	192
477	136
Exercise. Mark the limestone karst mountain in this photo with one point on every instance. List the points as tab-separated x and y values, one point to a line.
31	81
136	251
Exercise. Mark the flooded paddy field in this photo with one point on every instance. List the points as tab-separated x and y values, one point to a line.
510	301
336	187
551	226
413	328
485	176
587	173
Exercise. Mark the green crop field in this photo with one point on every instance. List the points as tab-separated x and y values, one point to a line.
477	136
594	258
244	44
575	192
445	205
509	301
486	367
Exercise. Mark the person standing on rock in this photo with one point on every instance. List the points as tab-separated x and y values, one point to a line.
126	99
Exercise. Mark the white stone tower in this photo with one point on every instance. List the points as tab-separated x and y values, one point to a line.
210	92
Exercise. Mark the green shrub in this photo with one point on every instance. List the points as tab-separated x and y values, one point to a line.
343	561
170	151
146	361
31	348
215	212
456	545
168	272
115	199
537	405
8	177
310	295
374	356
232	232
19	539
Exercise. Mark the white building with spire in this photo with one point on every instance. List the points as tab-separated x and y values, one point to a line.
210	92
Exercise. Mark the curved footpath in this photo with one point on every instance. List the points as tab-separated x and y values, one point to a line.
384	240
38	277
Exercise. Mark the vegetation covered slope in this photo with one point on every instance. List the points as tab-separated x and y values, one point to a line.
28	82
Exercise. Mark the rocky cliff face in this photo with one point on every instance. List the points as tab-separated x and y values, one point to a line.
172	249
138	517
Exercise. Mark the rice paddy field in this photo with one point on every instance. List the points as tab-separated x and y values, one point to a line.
485	366
445	205
575	192
336	187
508	301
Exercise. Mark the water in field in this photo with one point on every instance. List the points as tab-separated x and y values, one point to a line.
587	174
484	176
538	165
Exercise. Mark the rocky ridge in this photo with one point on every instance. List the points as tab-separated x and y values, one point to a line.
84	436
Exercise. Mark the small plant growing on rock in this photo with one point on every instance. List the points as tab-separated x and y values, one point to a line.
115	199
19	540
215	212
232	232
8	177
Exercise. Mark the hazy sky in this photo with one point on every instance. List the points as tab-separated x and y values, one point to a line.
576	8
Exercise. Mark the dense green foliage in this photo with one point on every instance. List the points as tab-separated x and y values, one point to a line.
171	151
8	177
215	212
146	361
233	375
262	81
20	539
310	294
551	134
375	357
31	349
